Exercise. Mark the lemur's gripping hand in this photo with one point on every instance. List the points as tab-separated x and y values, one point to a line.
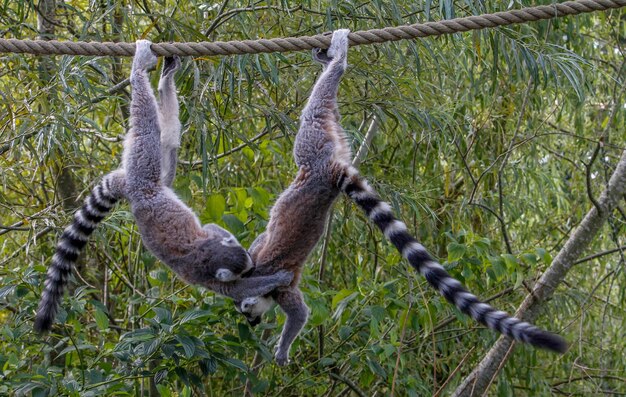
170	66
144	59
337	52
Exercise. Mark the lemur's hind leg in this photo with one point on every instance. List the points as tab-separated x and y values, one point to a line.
142	149
297	312
169	120
257	245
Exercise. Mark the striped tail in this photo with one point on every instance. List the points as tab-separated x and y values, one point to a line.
395	231
102	198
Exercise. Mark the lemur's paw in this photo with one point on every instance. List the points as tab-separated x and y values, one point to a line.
321	56
284	277
144	59
282	358
339	44
225	275
170	66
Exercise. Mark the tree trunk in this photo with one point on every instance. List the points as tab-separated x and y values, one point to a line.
477	382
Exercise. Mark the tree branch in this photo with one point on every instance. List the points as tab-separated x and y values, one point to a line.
476	383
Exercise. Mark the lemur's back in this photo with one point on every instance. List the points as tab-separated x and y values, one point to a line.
167	229
322	154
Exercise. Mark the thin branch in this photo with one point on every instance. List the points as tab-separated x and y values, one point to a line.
348	383
402	334
358	158
40	234
588	176
367	142
600	254
465	357
505	233
113	90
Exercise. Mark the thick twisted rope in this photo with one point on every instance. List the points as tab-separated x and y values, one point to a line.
529	14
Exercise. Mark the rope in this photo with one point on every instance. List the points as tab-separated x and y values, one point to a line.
529	14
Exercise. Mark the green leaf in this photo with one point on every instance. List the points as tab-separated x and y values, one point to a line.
233	224
208	366
102	320
214	208
456	251
376	368
192	314
544	255
326	362
530	259
341	295
72	348
236	363
160	375
319	313
6	290
188	345
162	315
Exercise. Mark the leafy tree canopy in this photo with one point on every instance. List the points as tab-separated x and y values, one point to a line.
489	145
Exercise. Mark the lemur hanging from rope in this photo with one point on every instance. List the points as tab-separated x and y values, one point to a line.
205	255
297	219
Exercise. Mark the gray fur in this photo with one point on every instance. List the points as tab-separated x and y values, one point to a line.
298	217
205	255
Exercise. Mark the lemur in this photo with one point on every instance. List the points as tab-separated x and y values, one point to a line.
205	255
297	219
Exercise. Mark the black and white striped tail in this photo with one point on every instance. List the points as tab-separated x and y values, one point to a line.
395	231
74	237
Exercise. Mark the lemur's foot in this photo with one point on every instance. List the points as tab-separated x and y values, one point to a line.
336	52
144	59
170	66
321	56
281	357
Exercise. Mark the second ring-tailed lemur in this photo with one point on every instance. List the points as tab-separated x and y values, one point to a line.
297	219
205	255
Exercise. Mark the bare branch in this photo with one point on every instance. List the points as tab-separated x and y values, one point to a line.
477	382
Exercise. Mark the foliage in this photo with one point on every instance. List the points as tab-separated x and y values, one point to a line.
485	148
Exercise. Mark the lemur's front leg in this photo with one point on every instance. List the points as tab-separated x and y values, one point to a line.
292	303
142	149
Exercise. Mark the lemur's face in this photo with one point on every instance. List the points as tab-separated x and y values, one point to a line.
253	308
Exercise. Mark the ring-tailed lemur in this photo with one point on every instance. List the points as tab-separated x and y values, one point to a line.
297	219
205	255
